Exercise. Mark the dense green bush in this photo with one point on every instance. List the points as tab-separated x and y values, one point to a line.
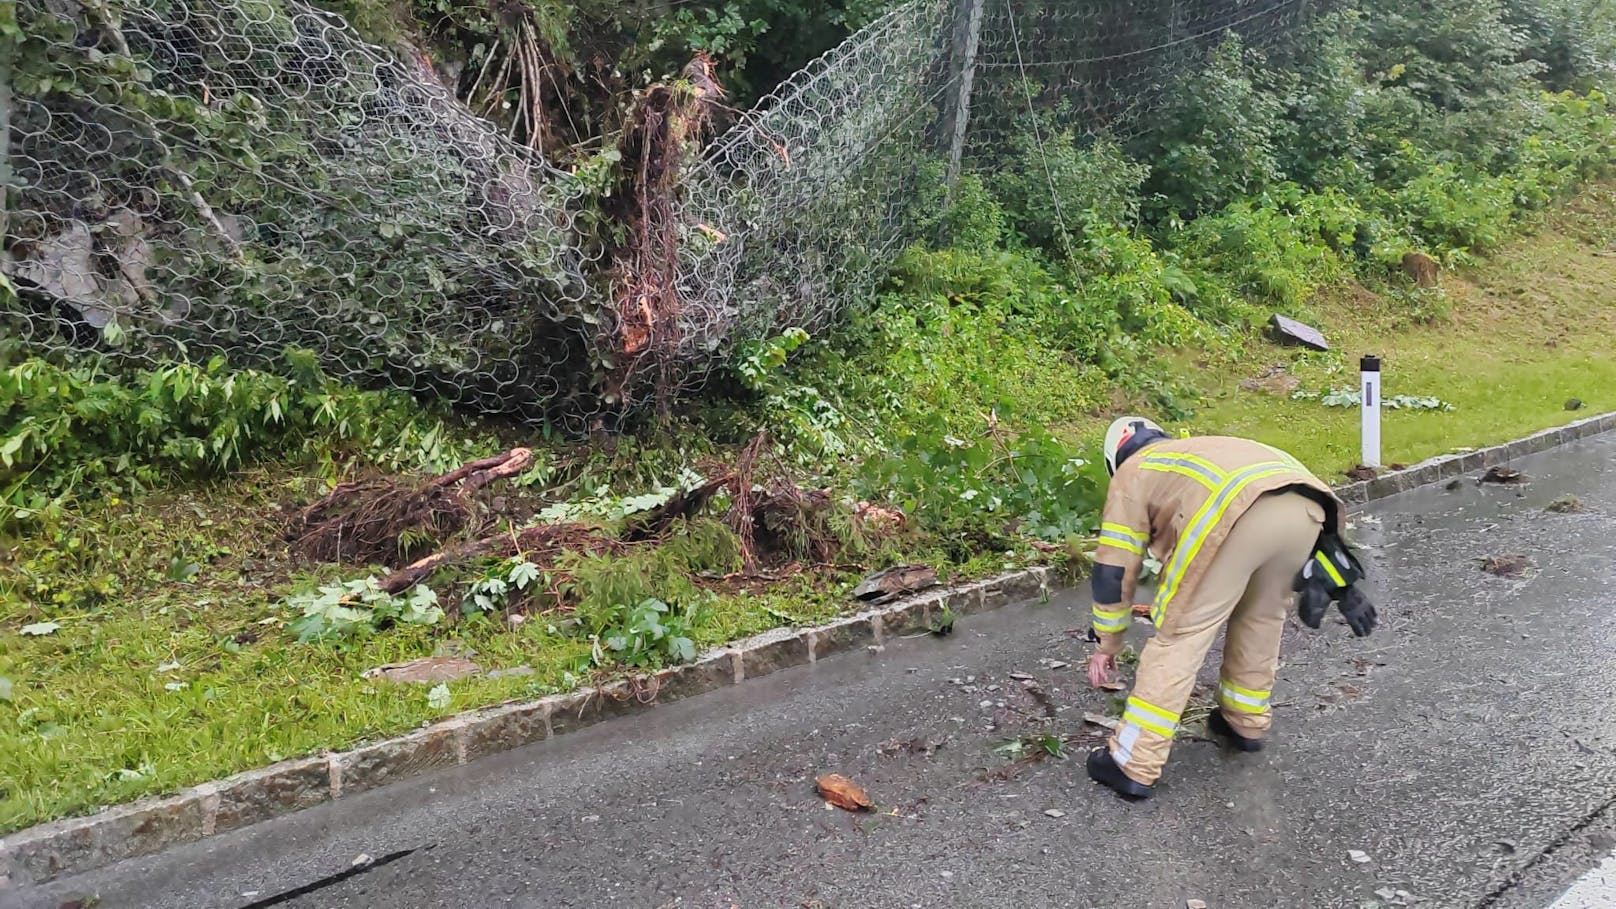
73	430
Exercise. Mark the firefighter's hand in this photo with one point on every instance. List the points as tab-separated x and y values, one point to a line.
1357	610
1101	665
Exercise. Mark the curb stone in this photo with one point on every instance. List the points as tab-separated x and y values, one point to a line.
76	845
1448	467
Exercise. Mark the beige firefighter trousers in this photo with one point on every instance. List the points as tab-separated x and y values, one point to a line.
1247	586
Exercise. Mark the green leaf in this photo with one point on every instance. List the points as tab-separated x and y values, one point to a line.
438	698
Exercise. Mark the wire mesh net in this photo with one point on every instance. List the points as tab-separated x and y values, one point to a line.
249	177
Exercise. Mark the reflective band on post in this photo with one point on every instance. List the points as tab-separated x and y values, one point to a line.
1201	524
1330	569
1244	700
1111	621
1149	716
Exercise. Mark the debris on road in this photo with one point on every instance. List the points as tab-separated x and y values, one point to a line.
943	625
842	792
1513	565
1503	476
1567	505
1195	904
925	746
1359	856
1100	719
1055	813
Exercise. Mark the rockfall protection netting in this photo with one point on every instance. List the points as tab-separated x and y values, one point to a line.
245	177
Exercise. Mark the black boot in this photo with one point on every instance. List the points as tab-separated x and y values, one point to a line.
1219	726
1103	769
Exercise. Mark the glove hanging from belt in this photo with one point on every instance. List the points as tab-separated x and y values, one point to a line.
1331	576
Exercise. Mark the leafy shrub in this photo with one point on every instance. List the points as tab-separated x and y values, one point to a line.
74	430
357	608
1086	188
975	489
1216	137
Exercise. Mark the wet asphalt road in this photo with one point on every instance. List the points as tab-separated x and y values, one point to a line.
1466	752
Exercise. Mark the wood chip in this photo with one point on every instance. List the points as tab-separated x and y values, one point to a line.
843	793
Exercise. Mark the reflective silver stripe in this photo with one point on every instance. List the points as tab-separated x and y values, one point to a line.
1210	513
1194	468
1126	737
1230	695
1126	544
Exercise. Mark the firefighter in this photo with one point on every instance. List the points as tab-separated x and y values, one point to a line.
1238	527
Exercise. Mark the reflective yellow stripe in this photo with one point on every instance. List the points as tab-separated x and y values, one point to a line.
1212	468
1128	546
1248	692
1207	517
1127	532
1111	621
1287	458
1165	716
1243	700
1330	569
1182	471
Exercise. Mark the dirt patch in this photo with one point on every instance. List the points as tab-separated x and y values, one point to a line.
1275	380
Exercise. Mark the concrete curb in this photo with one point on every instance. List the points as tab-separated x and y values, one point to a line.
1447	467
76	845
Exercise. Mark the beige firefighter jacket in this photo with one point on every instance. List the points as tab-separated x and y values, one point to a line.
1178	499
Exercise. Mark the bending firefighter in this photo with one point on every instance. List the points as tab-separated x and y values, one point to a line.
1238	528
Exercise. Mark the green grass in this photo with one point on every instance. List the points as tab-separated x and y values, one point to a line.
98	712
1525	331
172	665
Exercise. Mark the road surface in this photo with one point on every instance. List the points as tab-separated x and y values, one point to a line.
1465	755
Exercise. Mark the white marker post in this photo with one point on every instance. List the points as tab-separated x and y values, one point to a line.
1369	366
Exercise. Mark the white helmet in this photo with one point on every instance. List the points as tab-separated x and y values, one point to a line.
1126	436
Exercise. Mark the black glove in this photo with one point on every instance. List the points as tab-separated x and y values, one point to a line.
1358	611
1311	602
1330	576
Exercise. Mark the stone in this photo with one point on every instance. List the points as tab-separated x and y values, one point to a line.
841	636
709	673
506	729
910	617
1420	268
994	595
1026	585
773	651
377	765
1290	331
82	844
282	788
